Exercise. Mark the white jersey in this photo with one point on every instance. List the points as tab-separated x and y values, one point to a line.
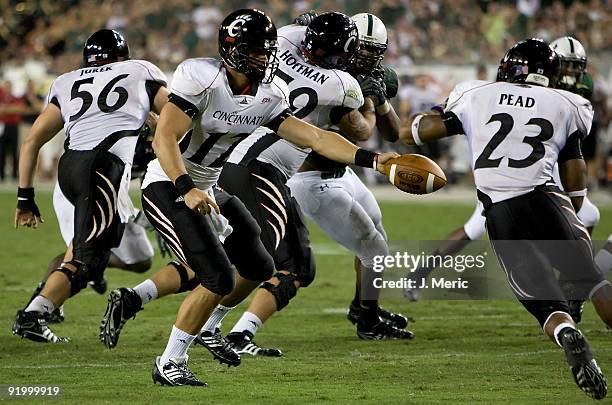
318	96
113	99
515	132
221	119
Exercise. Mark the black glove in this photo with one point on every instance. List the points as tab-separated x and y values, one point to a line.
375	89
25	200
391	82
305	18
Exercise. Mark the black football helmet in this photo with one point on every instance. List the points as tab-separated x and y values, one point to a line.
530	61
105	46
331	41
246	36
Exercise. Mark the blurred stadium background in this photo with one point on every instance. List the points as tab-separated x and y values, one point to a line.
433	44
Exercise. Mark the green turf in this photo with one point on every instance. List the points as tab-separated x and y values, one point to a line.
464	352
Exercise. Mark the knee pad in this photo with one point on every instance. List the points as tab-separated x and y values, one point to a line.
186	284
78	279
370	249
284	291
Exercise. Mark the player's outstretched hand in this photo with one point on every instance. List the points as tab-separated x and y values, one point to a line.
27	218
382	159
200	202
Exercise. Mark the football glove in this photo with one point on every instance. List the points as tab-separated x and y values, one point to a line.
375	89
305	18
25	200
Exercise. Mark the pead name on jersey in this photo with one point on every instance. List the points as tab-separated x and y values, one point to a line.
513	100
95	70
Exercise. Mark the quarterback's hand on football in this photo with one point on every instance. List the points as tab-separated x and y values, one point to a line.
372	88
27	213
200	202
305	18
384	158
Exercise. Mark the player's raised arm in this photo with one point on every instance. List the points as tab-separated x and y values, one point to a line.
46	126
330	144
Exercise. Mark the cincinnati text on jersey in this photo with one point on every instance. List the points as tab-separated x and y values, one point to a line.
234	118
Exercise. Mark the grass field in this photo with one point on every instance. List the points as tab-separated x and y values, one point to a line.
464	352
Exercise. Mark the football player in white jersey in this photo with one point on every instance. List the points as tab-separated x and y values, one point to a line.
102	108
573	62
517	129
336	199
213	105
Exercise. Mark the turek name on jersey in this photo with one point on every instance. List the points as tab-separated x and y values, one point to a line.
305	70
235	118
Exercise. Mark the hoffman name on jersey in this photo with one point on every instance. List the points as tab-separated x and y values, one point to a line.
305	70
516	101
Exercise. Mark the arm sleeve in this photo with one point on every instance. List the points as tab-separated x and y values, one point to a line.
571	150
53	96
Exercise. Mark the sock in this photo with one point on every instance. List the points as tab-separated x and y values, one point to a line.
560	329
248	322
147	291
41	304
216	317
603	260
178	344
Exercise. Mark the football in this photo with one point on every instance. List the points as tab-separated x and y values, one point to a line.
415	174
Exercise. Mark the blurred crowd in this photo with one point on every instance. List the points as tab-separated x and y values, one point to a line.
40	39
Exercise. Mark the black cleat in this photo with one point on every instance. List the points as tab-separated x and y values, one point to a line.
123	304
33	326
57	316
100	285
242	342
575	309
174	372
219	347
398	320
587	374
382	330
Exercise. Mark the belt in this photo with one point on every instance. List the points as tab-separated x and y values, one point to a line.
335	174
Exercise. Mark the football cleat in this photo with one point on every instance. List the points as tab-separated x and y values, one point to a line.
100	285
123	304
33	326
242	342
575	309
587	374
397	320
382	330
220	348
174	372
57	316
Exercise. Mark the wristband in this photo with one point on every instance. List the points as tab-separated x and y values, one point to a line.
366	158
25	193
25	200
184	184
415	130
577	193
383	109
